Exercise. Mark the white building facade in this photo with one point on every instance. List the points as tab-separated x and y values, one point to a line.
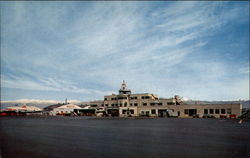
65	109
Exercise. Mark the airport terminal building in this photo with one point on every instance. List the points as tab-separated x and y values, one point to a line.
125	104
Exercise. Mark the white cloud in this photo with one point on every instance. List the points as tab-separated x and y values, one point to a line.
245	70
49	84
106	42
36	102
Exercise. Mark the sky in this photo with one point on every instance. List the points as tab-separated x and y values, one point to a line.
84	50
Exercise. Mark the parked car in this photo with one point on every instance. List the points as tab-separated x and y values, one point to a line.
223	116
196	116
144	115
208	116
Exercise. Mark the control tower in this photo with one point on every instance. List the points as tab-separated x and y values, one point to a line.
124	89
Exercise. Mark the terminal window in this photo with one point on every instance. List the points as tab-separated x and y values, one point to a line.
217	111
223	111
205	111
229	111
211	111
122	98
133	97
153	111
131	111
170	103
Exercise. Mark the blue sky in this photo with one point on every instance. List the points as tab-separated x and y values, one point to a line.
83	50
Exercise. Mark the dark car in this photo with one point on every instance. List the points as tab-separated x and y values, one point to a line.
208	116
196	116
